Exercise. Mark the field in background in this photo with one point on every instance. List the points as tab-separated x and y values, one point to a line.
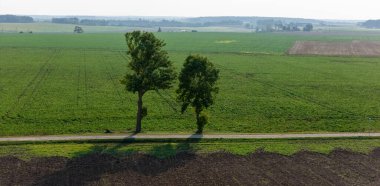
47	27
260	43
67	83
69	28
354	48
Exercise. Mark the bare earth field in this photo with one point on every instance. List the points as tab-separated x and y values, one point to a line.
340	167
355	48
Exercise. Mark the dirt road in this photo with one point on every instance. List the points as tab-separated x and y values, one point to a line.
184	136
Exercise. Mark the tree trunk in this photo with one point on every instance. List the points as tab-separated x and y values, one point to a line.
199	127
139	112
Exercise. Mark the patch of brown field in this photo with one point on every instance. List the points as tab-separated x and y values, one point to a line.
354	48
261	168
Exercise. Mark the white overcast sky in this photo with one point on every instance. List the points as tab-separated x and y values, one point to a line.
321	9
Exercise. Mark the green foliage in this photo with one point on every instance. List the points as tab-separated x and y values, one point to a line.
197	88
151	67
78	29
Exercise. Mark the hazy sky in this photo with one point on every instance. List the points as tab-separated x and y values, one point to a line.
322	9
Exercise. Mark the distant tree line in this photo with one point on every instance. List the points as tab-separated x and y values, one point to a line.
371	24
276	26
73	20
148	23
144	23
15	19
137	23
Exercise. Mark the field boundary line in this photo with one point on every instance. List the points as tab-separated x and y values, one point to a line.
187	136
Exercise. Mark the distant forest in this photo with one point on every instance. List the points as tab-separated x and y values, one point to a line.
144	23
260	24
15	19
371	24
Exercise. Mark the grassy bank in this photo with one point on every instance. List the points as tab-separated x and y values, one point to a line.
167	148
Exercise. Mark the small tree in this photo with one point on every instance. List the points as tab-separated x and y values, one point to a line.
197	87
159	29
78	29
151	68
308	28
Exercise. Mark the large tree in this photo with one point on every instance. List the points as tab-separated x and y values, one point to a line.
197	88
150	68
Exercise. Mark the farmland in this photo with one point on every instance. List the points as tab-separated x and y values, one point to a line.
355	48
339	167
69	84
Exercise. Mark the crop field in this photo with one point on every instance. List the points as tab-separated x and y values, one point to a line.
355	48
67	83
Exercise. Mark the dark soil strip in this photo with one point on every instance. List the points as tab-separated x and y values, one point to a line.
261	168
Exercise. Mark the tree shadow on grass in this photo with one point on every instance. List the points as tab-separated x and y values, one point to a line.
89	166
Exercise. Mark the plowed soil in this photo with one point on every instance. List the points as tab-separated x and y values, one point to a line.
355	48
261	168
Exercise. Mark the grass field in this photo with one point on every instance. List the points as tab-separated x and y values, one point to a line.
168	148
67	83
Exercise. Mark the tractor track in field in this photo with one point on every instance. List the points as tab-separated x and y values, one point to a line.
170	101
21	72
85	83
121	54
123	57
34	83
79	66
41	71
111	78
44	77
294	95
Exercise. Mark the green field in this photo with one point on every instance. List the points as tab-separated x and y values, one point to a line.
168	148
67	83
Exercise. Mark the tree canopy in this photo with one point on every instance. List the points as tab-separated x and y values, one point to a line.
78	29
150	65
197	88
